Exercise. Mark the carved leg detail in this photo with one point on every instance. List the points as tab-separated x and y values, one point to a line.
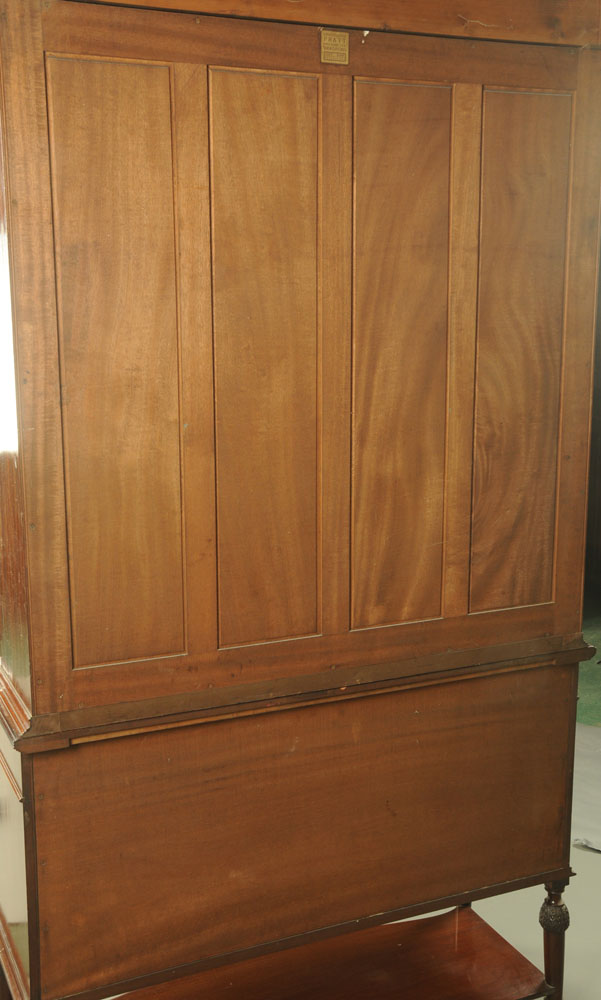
554	920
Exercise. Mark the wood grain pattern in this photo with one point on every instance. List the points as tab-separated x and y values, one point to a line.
335	292
14	630
572	22
471	962
265	199
176	830
111	123
583	268
401	157
58	730
193	243
14	627
277	667
464	246
593	553
520	337
35	331
145	34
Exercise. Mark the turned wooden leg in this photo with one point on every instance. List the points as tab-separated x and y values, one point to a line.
554	920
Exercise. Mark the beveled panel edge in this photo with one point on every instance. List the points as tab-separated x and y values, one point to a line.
63	729
386	15
362	923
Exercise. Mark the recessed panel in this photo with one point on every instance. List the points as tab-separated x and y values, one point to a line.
520	329
402	150
116	277
264	130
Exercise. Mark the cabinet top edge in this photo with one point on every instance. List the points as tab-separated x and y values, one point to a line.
545	21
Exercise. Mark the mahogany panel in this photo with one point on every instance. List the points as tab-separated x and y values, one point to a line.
146	34
583	270
110	128
573	22
36	356
593	555
264	178
335	317
193	241
184	830
520	340
464	247
401	163
453	955
130	34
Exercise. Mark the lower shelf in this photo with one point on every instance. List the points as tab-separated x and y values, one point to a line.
453	955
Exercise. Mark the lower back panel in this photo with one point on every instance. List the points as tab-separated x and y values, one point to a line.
160	850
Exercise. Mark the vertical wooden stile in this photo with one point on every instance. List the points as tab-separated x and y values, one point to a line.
38	380
582	269
191	139
463	298
335	296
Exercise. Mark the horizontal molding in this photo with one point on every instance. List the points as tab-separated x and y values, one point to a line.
59	730
546	21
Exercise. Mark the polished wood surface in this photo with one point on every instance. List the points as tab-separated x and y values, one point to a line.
453	955
145	34
464	245
111	122
581	304
593	551
572	22
31	248
520	333
265	190
401	162
226	834
303	365
252	491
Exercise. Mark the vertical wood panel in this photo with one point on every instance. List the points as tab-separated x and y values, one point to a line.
335	290
264	191
402	136
524	215
580	320
31	250
114	231
463	297
14	628
191	136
